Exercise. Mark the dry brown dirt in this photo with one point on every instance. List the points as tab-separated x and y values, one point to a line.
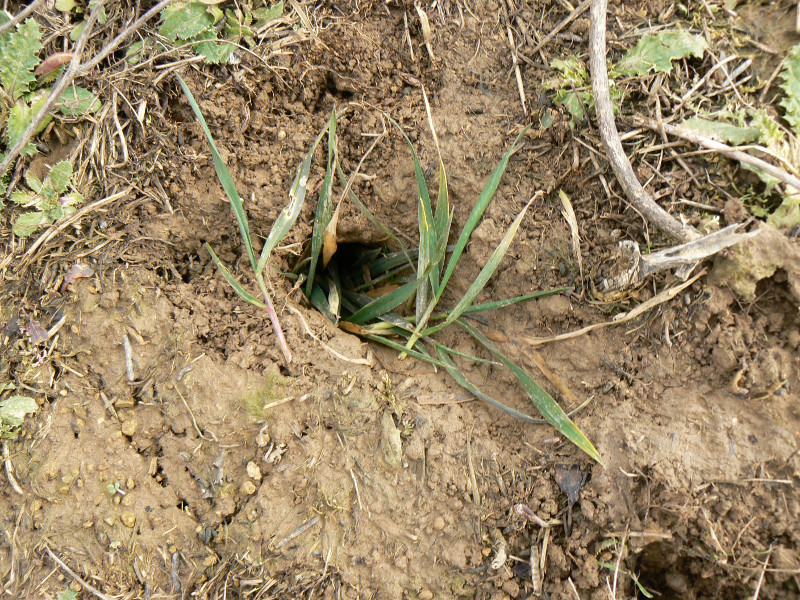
240	476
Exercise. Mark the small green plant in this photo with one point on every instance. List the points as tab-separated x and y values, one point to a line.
280	228
749	126
115	488
365	293
50	198
212	32
13	411
652	54
23	84
340	291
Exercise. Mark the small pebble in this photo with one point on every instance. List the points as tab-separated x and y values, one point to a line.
128	427
110	520
281	135
130	484
129	519
426	595
438	523
248	488
253	472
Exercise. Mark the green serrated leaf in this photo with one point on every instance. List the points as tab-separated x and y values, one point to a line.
65	5
573	73
27	223
724	132
655	53
262	16
68	594
60	176
790	73
78	101
185	21
76	32
23	198
33	181
19	55
20	116
575	102
214	50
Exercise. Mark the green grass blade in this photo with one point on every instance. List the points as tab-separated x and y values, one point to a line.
487	306
486	273
320	302
391	261
289	214
455	373
324	206
370	217
379	339
428	238
385	303
237	287
477	211
224	176
546	405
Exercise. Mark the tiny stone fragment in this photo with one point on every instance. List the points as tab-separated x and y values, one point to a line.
128	519
253	471
128	427
248	488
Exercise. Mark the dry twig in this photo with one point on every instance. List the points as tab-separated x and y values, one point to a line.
729	151
636	194
76	577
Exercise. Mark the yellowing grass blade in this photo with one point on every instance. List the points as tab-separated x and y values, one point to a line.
324	209
289	214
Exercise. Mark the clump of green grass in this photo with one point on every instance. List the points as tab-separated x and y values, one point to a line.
339	289
365	294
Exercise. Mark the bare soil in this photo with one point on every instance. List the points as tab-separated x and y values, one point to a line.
240	476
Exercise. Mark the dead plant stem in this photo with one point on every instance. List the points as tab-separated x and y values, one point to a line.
638	198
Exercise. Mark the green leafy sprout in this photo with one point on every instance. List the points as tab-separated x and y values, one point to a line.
213	33
13	411
751	126
338	284
652	54
50	198
23	84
